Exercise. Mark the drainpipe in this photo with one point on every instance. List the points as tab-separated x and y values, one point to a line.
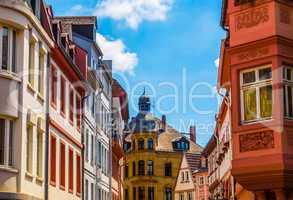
46	195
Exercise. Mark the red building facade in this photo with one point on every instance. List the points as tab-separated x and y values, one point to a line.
256	67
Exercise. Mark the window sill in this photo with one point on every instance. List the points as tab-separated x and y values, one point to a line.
62	187
62	114
40	98
9	75
8	169
31	88
256	121
39	180
52	183
29	175
53	105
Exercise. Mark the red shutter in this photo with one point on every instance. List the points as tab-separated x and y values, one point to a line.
53	86
53	161
78	174
70	175
62	166
78	112
71	106
63	93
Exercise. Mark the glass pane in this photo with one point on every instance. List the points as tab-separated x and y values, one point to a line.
5	48
249	97
2	140
13	66
249	77
266	101
265	74
288	74
11	131
289	99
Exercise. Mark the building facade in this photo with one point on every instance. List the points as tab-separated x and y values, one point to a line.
120	115
153	152
256	66
25	45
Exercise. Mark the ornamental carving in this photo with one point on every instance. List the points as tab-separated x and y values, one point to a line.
252	18
285	16
253	54
256	141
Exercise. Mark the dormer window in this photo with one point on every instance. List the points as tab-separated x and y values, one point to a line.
181	144
63	42
35	5
141	144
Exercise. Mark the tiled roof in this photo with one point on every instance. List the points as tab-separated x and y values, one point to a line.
193	160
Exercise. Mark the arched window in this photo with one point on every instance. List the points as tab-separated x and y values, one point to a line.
150	144
141	144
141	168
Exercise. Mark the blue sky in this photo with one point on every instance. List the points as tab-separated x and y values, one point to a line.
161	44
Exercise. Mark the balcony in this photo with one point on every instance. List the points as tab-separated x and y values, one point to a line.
9	87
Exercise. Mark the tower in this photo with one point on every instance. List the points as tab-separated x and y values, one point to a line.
256	67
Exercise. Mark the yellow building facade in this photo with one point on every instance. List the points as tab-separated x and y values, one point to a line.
153	153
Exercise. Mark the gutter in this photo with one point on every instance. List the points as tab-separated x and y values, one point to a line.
46	195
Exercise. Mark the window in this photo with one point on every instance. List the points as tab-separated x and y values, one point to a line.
256	93
70	174
141	168
187	176
62	95
134	193
168	169
151	193
87	145
126	171
126	194
133	168
53	161
150	144
8	37
6	146
133	145
41	71
86	190
78	175
92	149
140	144
150	168
92	191
201	180
190	196
168	193
31	76
29	149
62	166
181	196
53	86
40	154
141	193
71	106
182	176
78	112
288	91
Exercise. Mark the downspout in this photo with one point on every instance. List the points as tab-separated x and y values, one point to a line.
46	195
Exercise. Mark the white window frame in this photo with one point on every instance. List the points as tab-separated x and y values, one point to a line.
287	83
10	49
254	85
7	138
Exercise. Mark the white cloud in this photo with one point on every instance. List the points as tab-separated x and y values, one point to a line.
115	50
217	62
77	7
134	12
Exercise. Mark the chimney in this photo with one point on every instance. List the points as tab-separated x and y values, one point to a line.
164	123
192	132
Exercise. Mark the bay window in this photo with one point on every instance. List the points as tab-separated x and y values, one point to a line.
8	49
29	148
256	94
6	142
288	91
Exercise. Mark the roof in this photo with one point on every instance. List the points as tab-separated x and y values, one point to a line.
193	160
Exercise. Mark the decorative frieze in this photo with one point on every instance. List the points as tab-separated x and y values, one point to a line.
252	18
253	54
256	141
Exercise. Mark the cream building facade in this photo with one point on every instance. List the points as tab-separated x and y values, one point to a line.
23	68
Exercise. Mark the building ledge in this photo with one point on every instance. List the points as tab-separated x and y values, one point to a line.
8	169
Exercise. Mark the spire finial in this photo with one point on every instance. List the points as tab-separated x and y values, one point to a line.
143	91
